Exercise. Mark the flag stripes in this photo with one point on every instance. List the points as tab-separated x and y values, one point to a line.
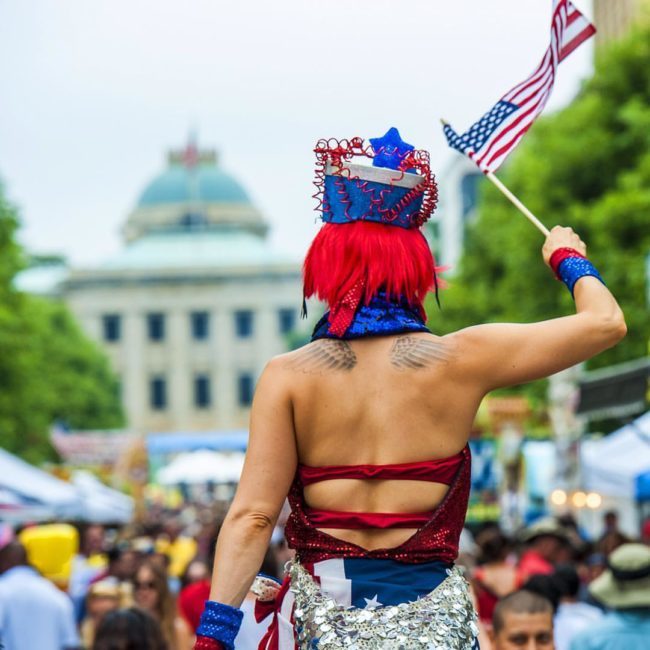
489	141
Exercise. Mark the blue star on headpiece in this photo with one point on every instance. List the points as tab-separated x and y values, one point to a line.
390	149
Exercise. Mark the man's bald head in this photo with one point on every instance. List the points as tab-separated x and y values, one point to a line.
523	620
12	555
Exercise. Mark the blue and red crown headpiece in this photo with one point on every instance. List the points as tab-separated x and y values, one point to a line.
398	190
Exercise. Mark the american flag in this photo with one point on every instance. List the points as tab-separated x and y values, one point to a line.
489	141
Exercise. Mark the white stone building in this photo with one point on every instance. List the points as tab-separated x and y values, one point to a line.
194	305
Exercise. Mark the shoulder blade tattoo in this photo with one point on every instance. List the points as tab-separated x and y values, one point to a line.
414	353
326	355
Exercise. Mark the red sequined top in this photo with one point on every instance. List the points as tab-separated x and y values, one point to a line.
438	531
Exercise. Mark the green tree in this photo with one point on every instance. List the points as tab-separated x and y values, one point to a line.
49	371
588	167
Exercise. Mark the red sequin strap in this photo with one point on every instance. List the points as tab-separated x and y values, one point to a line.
362	520
559	255
342	314
441	470
206	643
436	540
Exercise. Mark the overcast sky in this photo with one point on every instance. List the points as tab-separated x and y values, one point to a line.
94	93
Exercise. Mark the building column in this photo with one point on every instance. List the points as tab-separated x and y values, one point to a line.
179	378
135	381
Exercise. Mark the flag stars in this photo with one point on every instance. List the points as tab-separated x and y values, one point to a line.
372	602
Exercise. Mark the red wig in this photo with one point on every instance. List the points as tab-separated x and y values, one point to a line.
363	258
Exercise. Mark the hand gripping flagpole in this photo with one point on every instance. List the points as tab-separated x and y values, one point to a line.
514	200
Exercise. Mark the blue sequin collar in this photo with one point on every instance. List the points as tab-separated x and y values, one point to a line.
381	317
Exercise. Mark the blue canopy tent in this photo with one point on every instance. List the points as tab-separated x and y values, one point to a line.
174	443
643	487
162	447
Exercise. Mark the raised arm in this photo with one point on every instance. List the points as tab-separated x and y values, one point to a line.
269	468
504	354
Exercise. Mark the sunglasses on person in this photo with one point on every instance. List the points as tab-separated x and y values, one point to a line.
147	584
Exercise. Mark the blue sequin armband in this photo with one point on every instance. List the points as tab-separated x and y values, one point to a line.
572	269
220	622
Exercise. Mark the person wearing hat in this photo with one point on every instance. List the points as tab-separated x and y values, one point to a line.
365	429
545	540
624	588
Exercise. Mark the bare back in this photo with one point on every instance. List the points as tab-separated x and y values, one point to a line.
389	400
378	401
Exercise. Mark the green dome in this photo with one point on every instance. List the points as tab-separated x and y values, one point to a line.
205	183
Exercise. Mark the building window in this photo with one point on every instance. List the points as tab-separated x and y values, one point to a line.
286	320
112	325
245	389
158	393
193	221
469	186
156	326
202	391
200	321
244	323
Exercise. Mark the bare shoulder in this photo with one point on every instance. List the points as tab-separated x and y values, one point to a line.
317	358
420	351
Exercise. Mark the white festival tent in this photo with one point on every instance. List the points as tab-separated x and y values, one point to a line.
611	465
203	466
101	504
30	494
34	486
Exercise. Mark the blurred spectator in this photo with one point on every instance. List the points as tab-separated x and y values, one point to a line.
572	616
523	620
625	589
191	602
34	614
546	587
129	629
151	593
122	563
192	599
612	537
178	547
103	596
93	541
196	571
546	541
90	563
645	531
596	564
281	553
495	577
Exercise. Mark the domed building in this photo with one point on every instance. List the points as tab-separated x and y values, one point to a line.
194	304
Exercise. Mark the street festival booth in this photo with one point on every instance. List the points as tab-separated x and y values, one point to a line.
43	496
195	461
615	467
28	494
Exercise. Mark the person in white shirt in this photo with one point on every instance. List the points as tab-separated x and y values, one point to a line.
34	614
572	616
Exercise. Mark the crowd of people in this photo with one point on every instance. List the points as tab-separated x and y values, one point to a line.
143	587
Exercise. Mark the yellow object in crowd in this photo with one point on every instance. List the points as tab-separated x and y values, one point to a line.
180	553
51	549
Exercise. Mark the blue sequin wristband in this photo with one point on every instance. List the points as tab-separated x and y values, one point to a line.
572	269
220	622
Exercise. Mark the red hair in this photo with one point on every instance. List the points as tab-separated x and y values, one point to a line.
368	257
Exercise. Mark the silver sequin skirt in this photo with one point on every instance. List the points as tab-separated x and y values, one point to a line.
444	619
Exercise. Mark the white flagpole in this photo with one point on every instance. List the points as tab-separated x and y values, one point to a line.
524	210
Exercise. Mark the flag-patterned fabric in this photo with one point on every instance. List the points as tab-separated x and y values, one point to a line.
353	582
489	141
